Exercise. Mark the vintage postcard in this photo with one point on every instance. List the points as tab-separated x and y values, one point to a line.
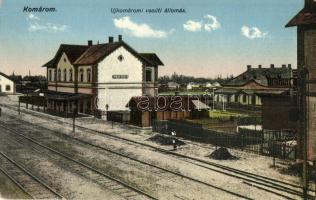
167	99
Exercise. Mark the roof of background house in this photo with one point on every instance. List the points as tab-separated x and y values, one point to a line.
73	52
90	55
275	92
6	76
227	91
173	84
248	91
259	75
199	105
216	84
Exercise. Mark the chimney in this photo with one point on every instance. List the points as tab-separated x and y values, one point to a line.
308	3
89	42
248	67
272	66
283	66
289	66
259	66
120	38
111	39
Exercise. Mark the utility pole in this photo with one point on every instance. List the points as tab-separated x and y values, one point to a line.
74	117
223	100
214	99
19	111
303	122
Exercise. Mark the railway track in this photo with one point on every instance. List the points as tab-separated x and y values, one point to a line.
106	181
26	181
163	172
254	180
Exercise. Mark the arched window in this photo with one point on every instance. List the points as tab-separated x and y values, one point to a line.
89	75
59	75
244	98
70	75
65	75
81	75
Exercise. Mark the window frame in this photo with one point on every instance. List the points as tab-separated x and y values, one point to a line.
59	75
151	75
70	75
55	75
65	75
6	88
88	75
81	75
244	98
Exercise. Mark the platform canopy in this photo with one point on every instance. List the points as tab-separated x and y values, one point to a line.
56	96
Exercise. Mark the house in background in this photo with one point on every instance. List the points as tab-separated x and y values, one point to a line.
208	85
216	84
173	85
99	78
242	90
7	85
192	86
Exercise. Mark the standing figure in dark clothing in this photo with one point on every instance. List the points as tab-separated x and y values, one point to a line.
173	133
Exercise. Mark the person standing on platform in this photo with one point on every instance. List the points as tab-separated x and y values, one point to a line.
173	133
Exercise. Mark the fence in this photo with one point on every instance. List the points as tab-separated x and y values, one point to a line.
248	140
118	116
238	106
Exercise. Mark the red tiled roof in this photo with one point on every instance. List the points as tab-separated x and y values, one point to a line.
73	52
96	53
306	16
90	55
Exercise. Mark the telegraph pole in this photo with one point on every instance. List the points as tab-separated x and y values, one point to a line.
74	117
303	122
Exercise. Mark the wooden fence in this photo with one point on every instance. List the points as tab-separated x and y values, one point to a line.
247	140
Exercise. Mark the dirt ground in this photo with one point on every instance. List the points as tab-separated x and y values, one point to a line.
247	162
9	190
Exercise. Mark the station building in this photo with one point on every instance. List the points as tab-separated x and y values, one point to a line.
96	78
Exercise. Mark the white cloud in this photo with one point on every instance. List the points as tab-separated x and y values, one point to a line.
213	25
33	17
252	32
192	26
210	23
48	27
139	30
36	25
1	1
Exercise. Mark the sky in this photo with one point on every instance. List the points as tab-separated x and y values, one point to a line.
211	38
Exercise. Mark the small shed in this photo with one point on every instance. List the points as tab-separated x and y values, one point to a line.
145	109
279	110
